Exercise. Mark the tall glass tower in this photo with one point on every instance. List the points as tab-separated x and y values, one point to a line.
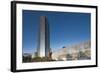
43	48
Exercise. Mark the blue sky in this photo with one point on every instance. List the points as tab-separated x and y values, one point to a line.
65	28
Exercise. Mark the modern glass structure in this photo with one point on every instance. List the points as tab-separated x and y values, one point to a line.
43	48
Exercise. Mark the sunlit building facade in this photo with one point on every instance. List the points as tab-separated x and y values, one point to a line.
43	48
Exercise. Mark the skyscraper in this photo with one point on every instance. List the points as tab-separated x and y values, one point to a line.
43	49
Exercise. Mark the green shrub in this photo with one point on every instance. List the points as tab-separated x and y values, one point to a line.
43	59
